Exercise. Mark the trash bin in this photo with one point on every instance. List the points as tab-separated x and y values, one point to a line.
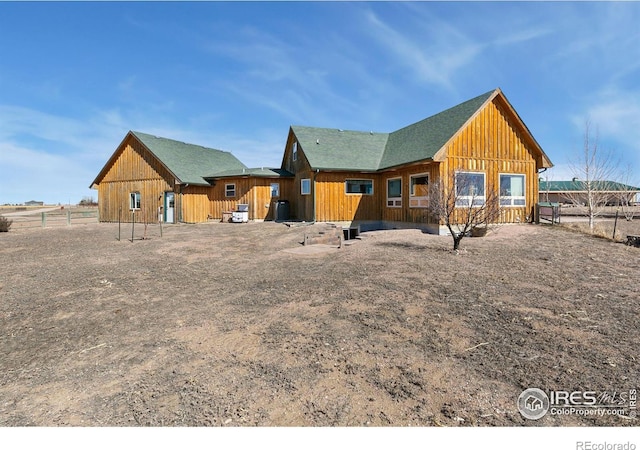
281	212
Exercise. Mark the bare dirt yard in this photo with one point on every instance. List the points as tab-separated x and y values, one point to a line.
234	325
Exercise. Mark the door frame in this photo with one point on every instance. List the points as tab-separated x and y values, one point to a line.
165	203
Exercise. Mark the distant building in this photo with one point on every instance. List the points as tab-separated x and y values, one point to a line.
574	191
33	203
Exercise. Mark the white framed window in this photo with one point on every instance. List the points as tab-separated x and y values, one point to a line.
512	190
305	186
394	192
134	200
470	189
294	151
275	189
230	190
419	190
364	187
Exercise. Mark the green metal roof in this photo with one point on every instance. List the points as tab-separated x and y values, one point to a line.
188	162
331	148
254	172
580	186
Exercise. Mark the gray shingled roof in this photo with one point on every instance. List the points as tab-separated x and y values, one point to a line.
263	172
189	162
423	139
331	148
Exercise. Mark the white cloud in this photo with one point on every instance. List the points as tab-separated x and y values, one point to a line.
51	157
28	174
433	58
613	113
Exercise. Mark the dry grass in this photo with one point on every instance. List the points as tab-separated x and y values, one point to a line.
220	325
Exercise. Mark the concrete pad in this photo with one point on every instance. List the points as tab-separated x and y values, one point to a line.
310	250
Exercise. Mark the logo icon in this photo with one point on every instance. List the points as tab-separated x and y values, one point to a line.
533	403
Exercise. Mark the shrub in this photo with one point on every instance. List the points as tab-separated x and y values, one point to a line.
88	201
5	224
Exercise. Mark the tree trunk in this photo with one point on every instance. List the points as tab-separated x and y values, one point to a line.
456	240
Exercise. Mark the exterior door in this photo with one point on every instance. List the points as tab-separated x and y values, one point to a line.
169	207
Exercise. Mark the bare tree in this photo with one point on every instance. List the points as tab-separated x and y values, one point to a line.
464	203
547	178
626	193
593	170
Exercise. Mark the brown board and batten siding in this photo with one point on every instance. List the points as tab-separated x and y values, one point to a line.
406	212
301	205
206	203
333	203
133	169
494	144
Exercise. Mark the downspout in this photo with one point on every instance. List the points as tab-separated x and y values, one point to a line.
314	195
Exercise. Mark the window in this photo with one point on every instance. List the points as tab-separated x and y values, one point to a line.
470	189
512	190
275	189
230	190
294	151
394	192
359	187
305	186
419	191
134	200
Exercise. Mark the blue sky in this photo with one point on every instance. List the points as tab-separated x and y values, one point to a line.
75	77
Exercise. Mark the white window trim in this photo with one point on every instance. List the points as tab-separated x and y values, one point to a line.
294	151
357	179
396	202
422	201
510	197
302	191
277	189
471	198
135	201
227	190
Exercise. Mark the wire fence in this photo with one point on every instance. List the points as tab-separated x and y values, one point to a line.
56	218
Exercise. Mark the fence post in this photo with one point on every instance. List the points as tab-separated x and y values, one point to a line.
44	220
68	217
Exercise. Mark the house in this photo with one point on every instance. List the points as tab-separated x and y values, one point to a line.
155	178
381	180
371	179
575	191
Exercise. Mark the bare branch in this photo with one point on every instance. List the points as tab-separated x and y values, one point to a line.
593	170
463	202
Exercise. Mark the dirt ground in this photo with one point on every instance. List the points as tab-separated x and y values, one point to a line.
234	325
